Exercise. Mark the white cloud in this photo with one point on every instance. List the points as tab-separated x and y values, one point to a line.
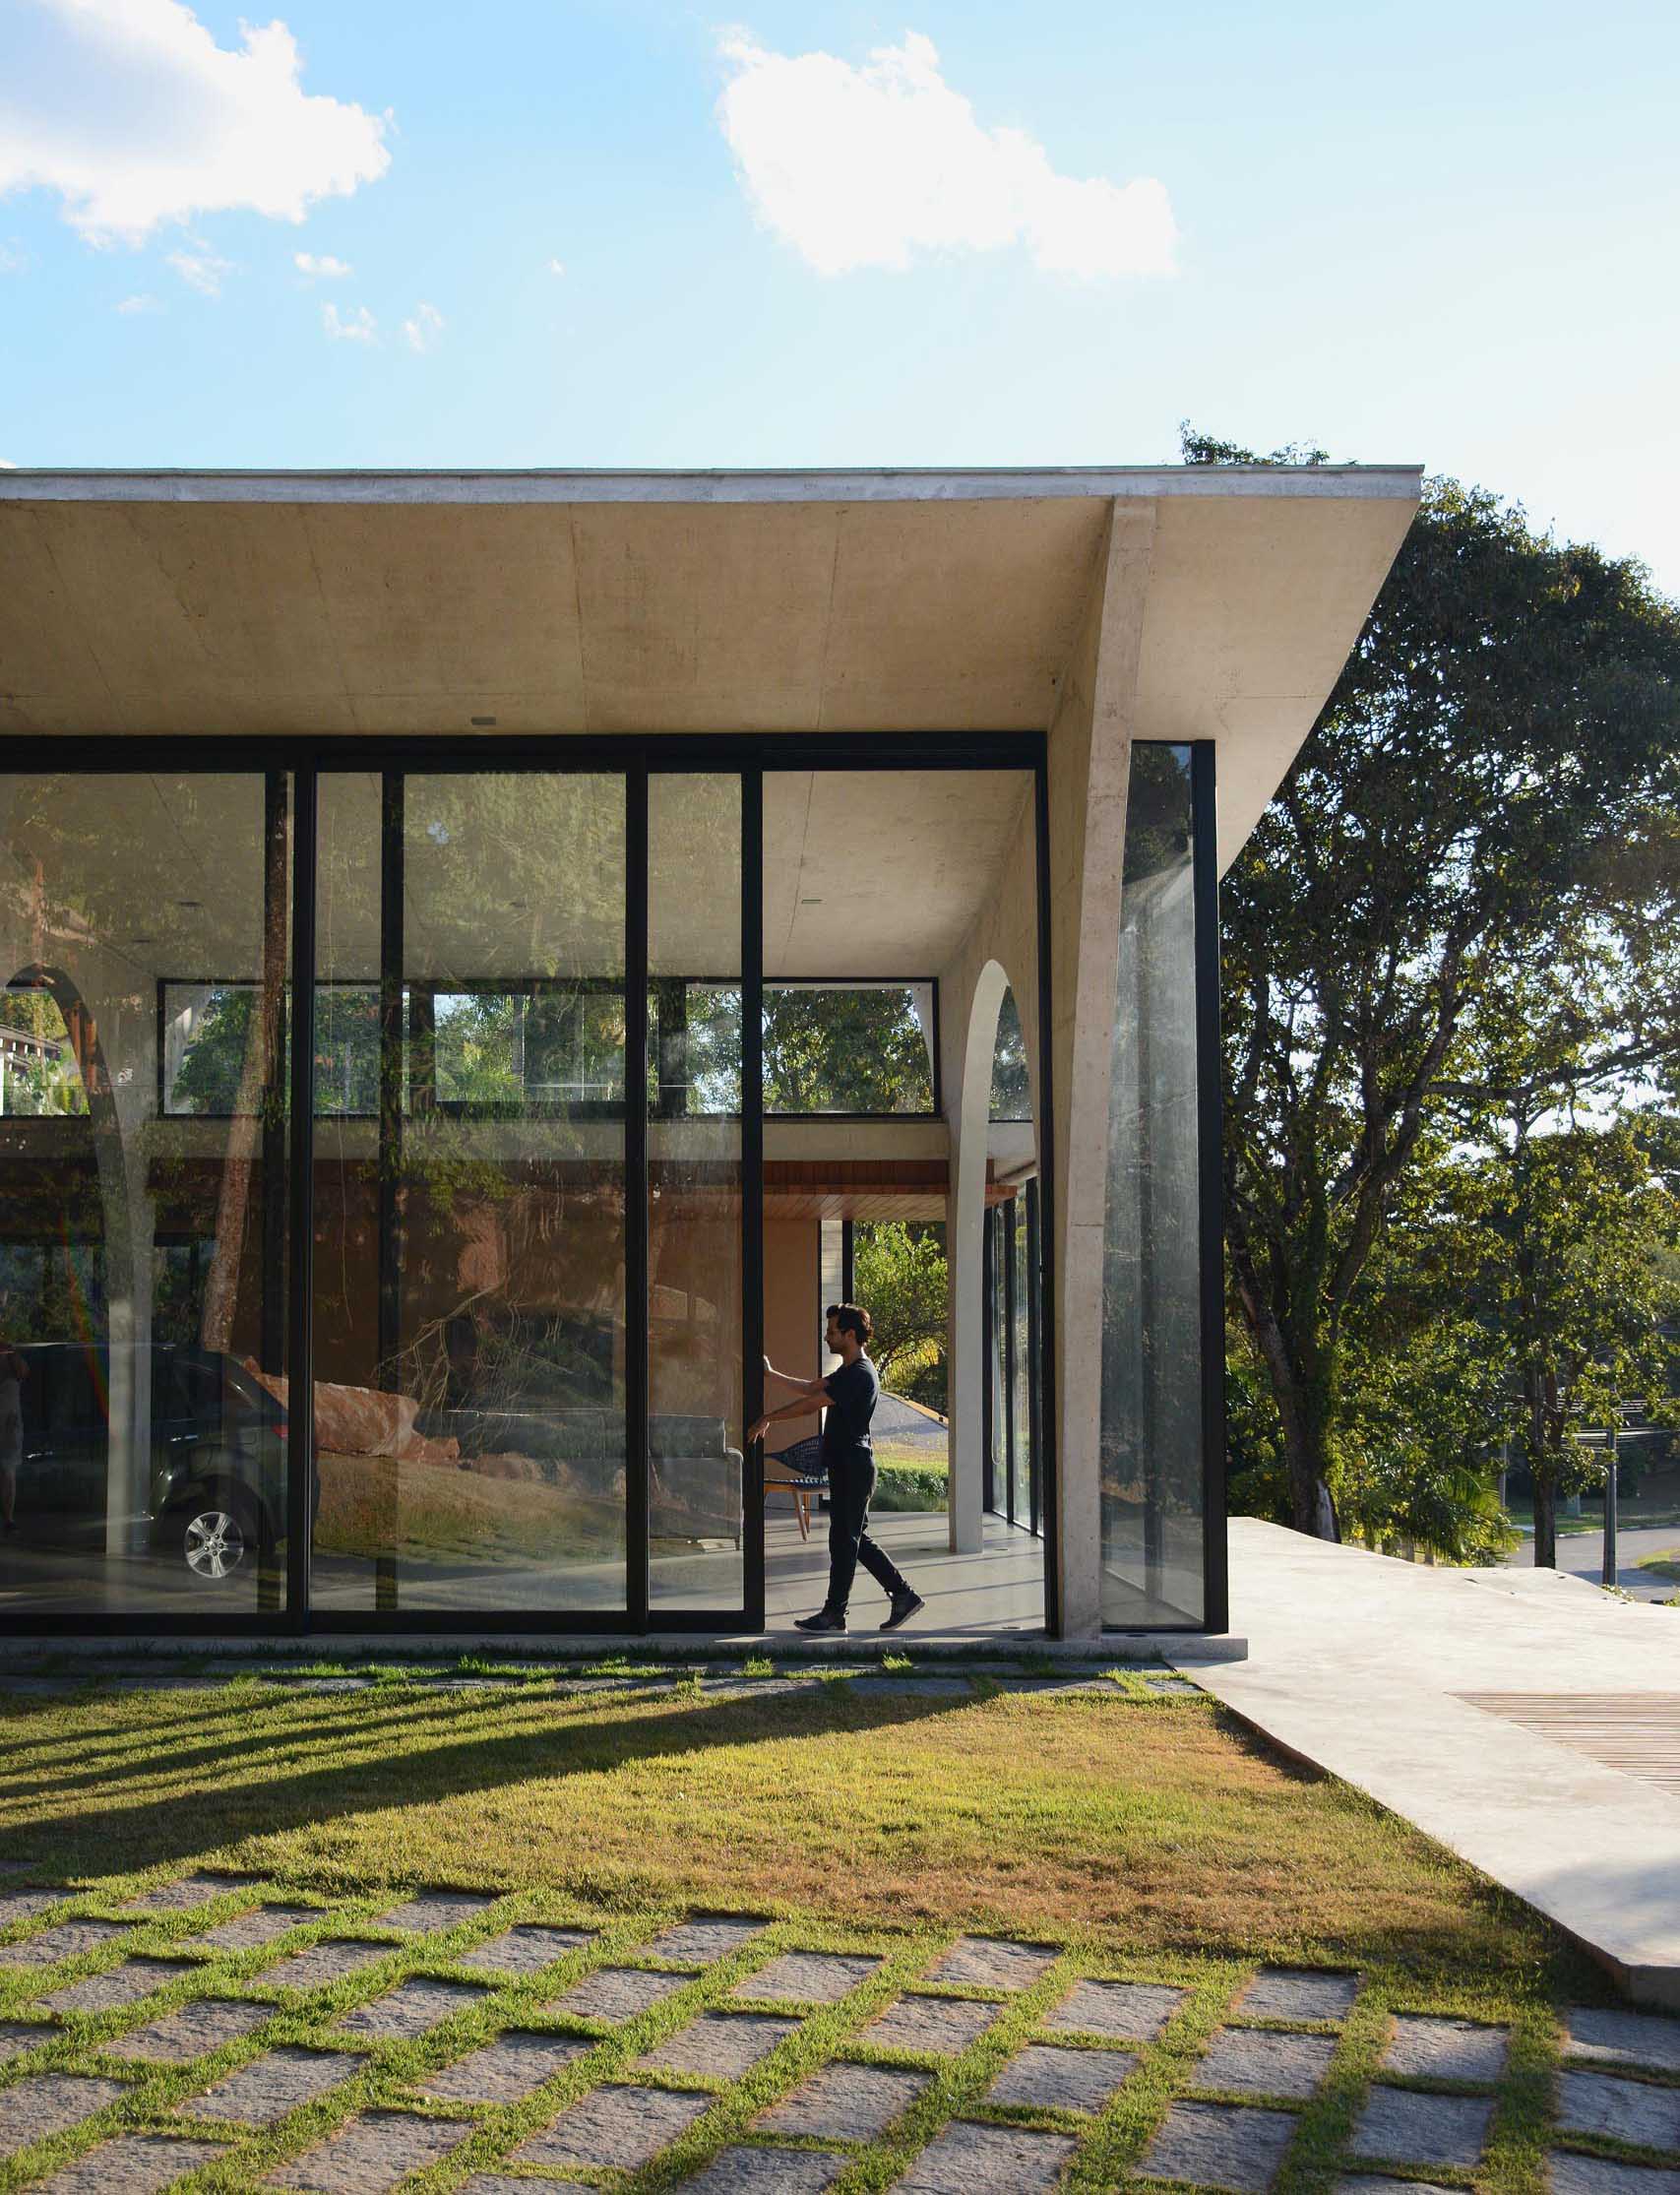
360	328
424	328
199	269
7	465
325	267
144	301
555	267
13	260
868	166
134	116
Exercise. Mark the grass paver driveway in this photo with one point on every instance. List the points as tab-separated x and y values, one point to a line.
466	1926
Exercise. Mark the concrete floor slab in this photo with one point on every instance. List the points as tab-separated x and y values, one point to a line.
1359	1664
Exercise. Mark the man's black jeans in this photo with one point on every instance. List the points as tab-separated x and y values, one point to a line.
851	1487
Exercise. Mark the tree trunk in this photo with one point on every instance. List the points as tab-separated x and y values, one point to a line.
1305	1450
1545	1524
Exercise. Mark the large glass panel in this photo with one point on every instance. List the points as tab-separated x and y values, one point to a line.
852	1047
695	1421
1152	1346
143	1250
1020	1387
997	1353
470	1328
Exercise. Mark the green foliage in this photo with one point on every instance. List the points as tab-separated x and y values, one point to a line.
1012	1085
829	1051
1493	786
900	1273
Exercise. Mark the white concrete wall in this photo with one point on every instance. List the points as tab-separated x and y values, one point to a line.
1089	762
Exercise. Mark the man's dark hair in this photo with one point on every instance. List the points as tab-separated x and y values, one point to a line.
852	1318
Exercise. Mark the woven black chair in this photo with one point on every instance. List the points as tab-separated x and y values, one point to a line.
798	1471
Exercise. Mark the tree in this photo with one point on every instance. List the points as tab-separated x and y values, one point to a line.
900	1272
1499	758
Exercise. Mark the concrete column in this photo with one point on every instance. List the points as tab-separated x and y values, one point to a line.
968	1087
1089	764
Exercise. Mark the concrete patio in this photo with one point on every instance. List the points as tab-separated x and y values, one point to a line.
1523	1719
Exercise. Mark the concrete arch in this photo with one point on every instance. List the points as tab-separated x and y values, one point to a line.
970	1119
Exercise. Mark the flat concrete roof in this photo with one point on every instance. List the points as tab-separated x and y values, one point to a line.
340	604
886	484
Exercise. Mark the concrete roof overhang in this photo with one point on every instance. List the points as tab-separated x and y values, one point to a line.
241	603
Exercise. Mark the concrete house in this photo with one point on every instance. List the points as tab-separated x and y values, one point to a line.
496	936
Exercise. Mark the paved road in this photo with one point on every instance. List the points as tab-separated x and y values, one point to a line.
1582	1555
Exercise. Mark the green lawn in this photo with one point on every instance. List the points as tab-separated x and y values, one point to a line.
1147	1835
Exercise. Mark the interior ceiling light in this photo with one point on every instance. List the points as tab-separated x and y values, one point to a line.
192	907
483	723
810	902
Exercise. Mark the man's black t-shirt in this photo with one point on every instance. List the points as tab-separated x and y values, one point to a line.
852	1390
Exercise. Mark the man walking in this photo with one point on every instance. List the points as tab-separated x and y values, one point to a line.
850	1393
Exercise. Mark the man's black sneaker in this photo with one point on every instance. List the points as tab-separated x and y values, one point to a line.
904	1605
822	1621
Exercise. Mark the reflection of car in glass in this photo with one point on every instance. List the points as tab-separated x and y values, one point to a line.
216	1485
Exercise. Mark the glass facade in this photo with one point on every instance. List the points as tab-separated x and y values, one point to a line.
142	1250
696	1409
468	1267
534	1015
1152	1424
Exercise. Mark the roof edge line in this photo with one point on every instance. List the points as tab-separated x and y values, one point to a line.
1377	482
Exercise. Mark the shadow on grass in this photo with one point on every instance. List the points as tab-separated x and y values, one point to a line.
467	1749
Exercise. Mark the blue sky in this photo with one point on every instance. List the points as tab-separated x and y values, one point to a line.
831	235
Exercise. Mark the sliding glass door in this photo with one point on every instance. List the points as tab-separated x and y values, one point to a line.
471	1333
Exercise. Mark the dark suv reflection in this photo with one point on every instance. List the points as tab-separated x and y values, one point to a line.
214	1491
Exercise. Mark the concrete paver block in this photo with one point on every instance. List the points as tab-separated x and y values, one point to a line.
1298	1993
323	1964
184	1893
766	2172
249	1931
991	1963
517	2183
968	2159
808	1978
43	2103
1135	2011
191	2031
267	2088
1220	2145
1380	2183
1627	2111
118	1985
845	2103
945	2026
1445	2049
1053	2076
723	2044
69	1940
19	1906
1597	2175
526	1949
413	2007
435	1910
704	1939
370	2154
131	2165
19	2036
622	2126
1416	2129
505	2071
618	1993
1254	2061
1642	2038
